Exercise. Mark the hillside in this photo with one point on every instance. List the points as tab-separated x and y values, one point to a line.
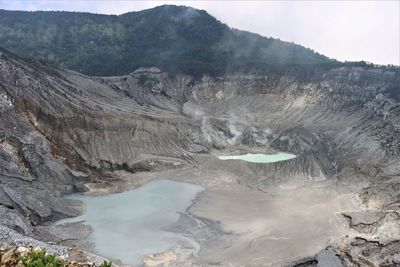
174	38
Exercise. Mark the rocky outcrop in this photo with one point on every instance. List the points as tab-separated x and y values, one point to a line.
11	256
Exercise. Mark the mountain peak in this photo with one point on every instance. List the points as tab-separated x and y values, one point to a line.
173	38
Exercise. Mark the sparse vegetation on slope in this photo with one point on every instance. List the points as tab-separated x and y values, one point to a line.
39	258
21	256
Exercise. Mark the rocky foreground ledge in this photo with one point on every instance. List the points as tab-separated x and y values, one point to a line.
14	245
14	256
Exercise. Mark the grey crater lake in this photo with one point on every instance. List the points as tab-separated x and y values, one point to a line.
129	225
260	158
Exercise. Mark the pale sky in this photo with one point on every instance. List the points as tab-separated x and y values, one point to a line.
344	30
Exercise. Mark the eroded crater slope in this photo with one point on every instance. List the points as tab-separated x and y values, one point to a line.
61	130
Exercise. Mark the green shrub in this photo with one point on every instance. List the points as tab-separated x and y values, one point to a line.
106	264
38	258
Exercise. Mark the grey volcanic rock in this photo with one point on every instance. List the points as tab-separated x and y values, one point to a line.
60	129
11	237
13	220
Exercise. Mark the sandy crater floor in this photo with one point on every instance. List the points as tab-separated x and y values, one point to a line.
276	226
269	228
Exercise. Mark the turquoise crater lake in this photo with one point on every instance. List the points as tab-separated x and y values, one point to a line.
129	225
260	158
